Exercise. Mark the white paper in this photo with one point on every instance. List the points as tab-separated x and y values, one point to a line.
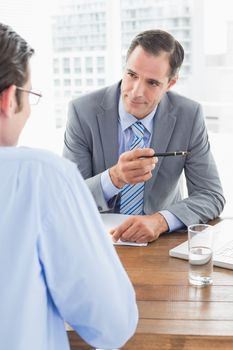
113	220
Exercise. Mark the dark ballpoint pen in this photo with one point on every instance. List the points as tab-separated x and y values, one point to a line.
169	154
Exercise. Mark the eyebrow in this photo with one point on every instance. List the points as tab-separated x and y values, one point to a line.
151	80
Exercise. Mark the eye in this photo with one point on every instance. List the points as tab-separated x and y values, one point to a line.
131	74
154	83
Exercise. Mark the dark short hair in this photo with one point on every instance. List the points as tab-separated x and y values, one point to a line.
156	41
14	57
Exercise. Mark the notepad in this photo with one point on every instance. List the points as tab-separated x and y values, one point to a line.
113	220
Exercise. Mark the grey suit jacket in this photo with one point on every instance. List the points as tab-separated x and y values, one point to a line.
91	141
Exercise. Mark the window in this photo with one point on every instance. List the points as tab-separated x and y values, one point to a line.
67	93
56	82
78	82
77	65
66	65
67	82
89	82
100	82
55	66
89	70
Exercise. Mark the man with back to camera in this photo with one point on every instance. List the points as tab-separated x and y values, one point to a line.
56	261
112	133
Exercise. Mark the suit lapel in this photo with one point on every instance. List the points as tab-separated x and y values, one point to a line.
164	124
107	117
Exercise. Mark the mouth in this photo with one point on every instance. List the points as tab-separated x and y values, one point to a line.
136	102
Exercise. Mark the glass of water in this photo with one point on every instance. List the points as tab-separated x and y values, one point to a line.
200	239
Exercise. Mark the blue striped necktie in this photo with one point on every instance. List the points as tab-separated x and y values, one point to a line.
132	196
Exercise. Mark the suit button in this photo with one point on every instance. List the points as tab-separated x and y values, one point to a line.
100	208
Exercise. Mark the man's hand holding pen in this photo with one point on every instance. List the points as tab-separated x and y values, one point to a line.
136	166
133	167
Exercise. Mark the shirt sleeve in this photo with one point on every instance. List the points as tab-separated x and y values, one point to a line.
109	189
84	276
173	222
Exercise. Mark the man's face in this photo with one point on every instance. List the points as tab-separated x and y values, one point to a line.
145	81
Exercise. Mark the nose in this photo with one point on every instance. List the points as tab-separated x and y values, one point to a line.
137	89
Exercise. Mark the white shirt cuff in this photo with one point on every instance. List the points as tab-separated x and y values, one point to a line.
173	222
109	189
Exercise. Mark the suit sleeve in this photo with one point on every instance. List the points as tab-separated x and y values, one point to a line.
77	148
205	195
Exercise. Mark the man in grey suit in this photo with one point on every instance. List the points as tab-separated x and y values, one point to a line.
100	139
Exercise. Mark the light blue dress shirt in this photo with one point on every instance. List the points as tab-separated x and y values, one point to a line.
57	262
125	137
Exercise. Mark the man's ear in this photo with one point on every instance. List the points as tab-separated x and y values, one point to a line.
8	102
172	82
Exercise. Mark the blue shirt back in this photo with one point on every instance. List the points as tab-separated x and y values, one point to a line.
57	263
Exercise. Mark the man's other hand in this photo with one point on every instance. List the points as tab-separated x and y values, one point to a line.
141	229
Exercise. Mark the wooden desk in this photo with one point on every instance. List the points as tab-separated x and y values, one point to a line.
173	314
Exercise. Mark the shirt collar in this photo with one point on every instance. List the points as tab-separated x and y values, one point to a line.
126	119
